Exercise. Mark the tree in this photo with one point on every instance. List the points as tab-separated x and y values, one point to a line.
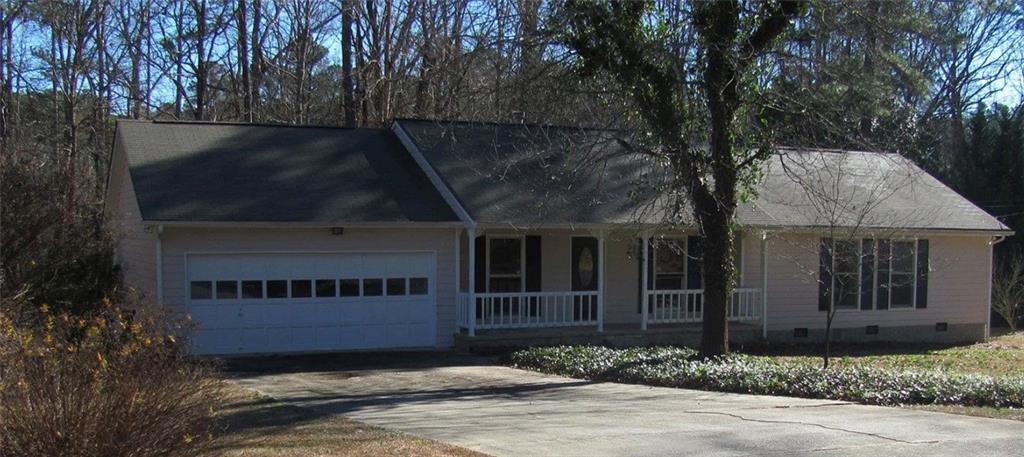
621	39
1008	290
844	195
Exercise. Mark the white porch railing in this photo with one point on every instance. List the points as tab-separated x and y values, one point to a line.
528	309
687	305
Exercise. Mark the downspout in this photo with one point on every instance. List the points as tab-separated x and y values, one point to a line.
159	266
991	267
764	285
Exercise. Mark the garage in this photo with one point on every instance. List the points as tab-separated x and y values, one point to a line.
250	303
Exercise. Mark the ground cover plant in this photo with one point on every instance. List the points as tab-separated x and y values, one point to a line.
896	384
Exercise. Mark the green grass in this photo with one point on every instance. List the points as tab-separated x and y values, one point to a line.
1001	356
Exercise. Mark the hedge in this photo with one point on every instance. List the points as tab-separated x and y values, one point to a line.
678	367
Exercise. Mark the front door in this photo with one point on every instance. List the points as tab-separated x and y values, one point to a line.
584	276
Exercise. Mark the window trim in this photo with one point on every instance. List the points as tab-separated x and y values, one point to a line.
522	261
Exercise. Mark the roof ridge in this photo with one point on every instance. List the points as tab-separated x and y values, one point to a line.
255	124
509	124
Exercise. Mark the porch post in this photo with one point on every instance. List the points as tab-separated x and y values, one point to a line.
471	312
643	284
600	282
764	284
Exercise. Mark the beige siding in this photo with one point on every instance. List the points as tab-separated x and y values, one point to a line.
135	250
957	286
179	241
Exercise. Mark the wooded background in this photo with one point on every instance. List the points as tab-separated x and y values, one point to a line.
939	82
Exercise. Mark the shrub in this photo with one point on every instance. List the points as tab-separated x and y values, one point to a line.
114	382
673	367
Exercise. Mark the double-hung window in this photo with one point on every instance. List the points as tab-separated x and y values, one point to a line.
505	264
846	274
873	274
670	264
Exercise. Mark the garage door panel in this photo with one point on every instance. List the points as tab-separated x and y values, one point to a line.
259	320
218	341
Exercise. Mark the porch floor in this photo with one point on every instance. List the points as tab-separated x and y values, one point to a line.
617	335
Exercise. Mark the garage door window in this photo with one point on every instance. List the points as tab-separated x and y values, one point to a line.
227	290
325	288
277	288
349	287
373	287
201	290
302	288
252	289
418	286
396	286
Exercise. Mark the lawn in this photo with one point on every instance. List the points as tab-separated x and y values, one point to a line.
257	426
1001	356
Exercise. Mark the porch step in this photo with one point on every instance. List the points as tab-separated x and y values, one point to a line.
492	341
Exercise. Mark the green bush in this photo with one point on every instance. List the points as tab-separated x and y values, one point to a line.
678	367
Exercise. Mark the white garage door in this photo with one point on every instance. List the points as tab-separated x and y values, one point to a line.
261	303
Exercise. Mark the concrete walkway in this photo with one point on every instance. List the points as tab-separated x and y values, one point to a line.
507	412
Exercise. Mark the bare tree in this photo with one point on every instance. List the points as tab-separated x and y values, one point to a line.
843	196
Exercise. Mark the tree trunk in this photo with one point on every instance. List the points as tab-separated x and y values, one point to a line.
201	63
348	88
241	24
256	72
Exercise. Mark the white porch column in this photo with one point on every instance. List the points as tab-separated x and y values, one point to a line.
471	312
643	285
600	282
764	284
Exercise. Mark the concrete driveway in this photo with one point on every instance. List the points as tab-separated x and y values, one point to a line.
508	412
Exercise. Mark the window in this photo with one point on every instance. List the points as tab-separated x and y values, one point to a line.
302	288
418	286
252	289
670	265
227	290
373	287
846	274
201	290
325	288
873	274
901	275
396	286
505	265
277	288
349	287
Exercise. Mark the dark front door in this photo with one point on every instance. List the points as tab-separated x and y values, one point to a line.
584	276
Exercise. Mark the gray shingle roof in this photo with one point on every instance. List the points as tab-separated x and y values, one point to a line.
526	175
256	173
531	175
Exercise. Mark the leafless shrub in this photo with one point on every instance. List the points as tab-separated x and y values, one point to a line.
114	382
1008	290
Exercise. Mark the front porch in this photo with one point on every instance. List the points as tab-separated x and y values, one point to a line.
547	285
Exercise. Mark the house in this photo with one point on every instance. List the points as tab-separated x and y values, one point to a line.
435	234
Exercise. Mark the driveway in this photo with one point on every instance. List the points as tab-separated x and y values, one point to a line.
507	412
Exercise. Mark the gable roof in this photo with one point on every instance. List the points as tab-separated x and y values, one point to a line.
524	175
191	171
